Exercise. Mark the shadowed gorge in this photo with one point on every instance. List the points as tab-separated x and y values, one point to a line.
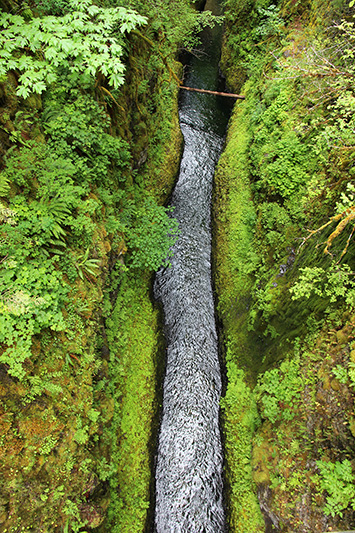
189	457
94	134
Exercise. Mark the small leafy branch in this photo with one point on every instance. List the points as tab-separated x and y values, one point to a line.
86	42
279	391
337	479
334	284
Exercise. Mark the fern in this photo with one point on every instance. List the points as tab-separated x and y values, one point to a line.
4	185
58	208
85	266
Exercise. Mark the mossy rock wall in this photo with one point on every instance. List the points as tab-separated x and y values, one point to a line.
77	432
287	410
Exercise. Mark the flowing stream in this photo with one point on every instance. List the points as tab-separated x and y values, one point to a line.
189	481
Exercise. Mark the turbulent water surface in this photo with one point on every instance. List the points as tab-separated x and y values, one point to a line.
189	462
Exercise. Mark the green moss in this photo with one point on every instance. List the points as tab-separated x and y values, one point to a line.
132	339
276	180
234	218
76	435
234	222
240	419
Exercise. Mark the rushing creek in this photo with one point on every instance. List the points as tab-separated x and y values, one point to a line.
189	482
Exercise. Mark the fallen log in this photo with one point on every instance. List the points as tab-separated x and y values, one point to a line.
231	95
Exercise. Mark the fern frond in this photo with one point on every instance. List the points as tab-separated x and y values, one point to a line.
4	185
58	208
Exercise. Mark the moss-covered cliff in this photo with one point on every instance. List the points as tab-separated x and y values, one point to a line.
284	266
85	169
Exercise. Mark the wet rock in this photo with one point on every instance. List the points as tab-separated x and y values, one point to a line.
335	385
92	514
272	522
342	336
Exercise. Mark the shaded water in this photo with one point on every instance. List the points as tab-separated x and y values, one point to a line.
189	463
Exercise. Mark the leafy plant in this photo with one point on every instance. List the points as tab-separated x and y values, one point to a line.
84	42
278	391
151	235
4	185
77	128
341	373
347	199
270	22
333	284
337	479
86	265
32	298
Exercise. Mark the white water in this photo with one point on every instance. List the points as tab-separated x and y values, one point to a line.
189	462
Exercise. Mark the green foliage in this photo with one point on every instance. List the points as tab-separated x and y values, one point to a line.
177	22
77	131
77	127
241	419
84	42
86	265
34	234
251	26
54	213
347	199
32	298
48	444
274	217
56	205
132	337
282	161
333	284
43	383
270	22
337	479
81	436
284	168
194	23
55	8
72	511
300	138
278	391
152	235
4	185
341	374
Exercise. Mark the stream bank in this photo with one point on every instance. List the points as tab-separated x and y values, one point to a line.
289	404
76	420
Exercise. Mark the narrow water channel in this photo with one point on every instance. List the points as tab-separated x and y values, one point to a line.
189	464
